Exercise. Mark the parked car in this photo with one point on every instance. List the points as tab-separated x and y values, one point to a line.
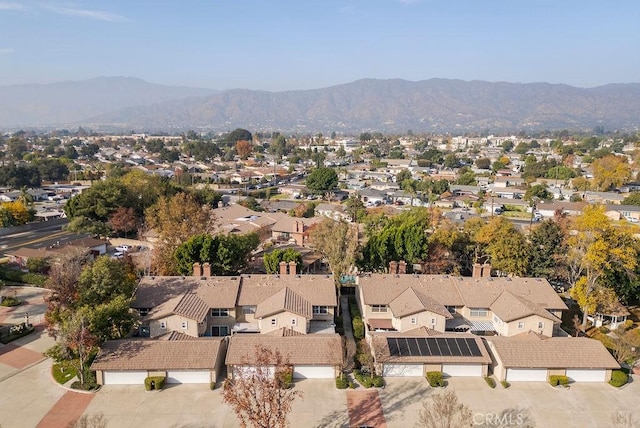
123	248
117	255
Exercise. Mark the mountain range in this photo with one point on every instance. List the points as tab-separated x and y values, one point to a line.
438	105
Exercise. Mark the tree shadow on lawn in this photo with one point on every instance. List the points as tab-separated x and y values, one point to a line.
512	417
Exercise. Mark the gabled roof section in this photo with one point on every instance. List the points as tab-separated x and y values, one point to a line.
284	332
534	351
284	300
158	354
307	349
318	290
509	307
191	306
410	302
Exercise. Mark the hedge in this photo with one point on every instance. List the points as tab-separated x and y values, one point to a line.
505	384
619	378
490	382
435	379
364	379
378	381
358	327
14	275
158	383
9	301
342	382
556	380
285	378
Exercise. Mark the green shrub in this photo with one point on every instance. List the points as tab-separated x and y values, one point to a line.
154	382
212	386
627	325
358	328
10	301
435	379
364	379
342	382
619	378
352	385
378	381
556	380
490	382
14	275
604	330
285	378
505	384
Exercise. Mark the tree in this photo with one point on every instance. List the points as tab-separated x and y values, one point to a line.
322	179
403	175
451	161
272	260
506	247
610	171
104	279
256	395
507	146
548	250
632	199
227	254
337	241
538	192
595	250
123	220
244	149
176	219
483	163
444	411
626	345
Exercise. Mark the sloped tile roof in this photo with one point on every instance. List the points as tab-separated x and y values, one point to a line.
284	332
535	351
509	307
411	301
308	349
158	354
191	306
318	290
287	300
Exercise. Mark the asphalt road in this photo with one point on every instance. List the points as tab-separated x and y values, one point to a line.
37	235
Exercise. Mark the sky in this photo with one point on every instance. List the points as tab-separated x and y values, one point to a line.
305	44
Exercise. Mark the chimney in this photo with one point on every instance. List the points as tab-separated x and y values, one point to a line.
477	270
197	270
206	269
486	270
402	267
292	268
393	267
283	268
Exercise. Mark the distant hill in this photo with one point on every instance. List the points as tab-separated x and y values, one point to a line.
75	101
380	105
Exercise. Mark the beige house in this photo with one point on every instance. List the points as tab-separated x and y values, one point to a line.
312	356
532	357
178	358
480	305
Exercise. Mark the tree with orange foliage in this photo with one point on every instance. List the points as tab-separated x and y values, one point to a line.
244	149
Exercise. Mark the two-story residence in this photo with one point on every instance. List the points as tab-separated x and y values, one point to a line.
480	305
205	305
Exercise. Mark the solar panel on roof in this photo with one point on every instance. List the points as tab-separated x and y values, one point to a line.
402	347
424	347
444	347
414	351
473	347
454	347
464	348
392	342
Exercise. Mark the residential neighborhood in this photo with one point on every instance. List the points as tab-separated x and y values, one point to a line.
457	264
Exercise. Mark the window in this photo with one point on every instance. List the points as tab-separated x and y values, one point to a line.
414	320
451	309
219	330
520	325
320	310
378	308
293	321
219	312
478	312
274	321
185	325
433	321
248	310
540	325
163	325
143	311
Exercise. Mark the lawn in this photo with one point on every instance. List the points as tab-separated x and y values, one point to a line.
63	372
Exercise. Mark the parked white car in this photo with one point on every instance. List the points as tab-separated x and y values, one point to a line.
123	248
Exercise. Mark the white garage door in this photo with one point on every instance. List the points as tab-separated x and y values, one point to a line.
313	372
584	375
124	377
403	370
462	369
248	371
188	376
527	375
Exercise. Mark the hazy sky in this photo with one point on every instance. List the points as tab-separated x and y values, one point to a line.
303	44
